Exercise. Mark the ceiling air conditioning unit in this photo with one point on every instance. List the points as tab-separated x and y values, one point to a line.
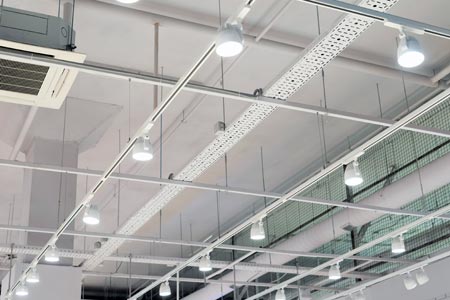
29	82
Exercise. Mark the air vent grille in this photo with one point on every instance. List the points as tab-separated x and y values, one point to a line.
21	77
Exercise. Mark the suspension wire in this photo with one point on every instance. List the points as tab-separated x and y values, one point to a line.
129	276
181	234
10	263
161	137
129	109
59	8
384	141
219	232
73	19
62	162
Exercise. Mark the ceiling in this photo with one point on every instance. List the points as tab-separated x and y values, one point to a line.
103	112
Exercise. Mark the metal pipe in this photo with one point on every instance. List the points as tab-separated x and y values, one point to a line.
212	281
333	166
381	17
401	271
211	187
359	249
134	238
23	132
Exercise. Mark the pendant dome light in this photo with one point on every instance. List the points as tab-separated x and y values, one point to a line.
409	51
409	282
33	276
164	289
334	273
205	264
22	290
52	254
398	245
352	174
422	277
143	150
230	40
280	295
91	215
257	231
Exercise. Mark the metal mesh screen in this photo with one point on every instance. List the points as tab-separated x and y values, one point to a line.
20	77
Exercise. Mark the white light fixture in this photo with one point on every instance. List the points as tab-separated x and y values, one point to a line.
205	264
422	277
22	290
257	232
409	52
143	150
352	174
91	215
334	273
280	295
409	282
33	276
128	1
230	40
164	289
398	245
52	254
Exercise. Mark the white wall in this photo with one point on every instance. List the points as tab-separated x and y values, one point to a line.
56	283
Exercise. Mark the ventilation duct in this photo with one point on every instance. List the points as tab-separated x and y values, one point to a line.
29	82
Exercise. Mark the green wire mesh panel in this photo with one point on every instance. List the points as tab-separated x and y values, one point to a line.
387	162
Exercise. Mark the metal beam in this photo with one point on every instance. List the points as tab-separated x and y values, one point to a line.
202	281
333	166
381	17
359	249
435	258
134	238
211	187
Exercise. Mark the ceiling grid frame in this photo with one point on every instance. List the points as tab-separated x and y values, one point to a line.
321	53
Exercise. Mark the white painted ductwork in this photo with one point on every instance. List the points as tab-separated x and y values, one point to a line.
432	176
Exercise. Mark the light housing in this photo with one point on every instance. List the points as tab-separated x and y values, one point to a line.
409	52
22	290
280	295
205	264
422	277
164	289
398	245
334	273
257	231
91	215
409	282
143	149
230	40
33	276
128	1
52	254
352	174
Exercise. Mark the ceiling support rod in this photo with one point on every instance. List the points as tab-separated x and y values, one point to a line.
216	188
381	17
134	238
331	167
